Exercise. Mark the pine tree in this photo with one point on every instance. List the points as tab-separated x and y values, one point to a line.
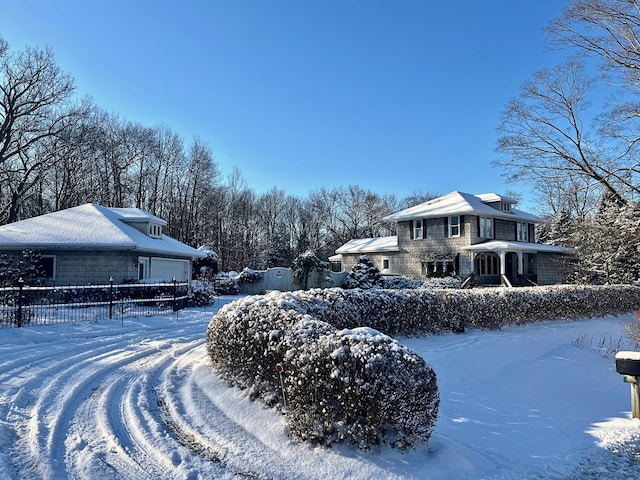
306	263
364	274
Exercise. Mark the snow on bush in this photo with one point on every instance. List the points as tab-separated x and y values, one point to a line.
398	283
346	383
201	293
249	275
364	274
356	386
225	284
362	387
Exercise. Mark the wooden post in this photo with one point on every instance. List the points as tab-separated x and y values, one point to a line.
634	383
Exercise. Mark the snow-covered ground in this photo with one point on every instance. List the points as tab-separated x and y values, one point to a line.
139	401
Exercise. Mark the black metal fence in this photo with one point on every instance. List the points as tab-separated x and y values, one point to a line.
35	305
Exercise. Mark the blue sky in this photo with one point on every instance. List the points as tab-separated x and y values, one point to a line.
397	97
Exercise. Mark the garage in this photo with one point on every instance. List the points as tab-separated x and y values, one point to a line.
165	269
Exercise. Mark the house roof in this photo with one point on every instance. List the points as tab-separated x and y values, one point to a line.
460	203
370	245
525	247
91	226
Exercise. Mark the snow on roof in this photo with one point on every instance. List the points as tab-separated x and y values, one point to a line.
91	226
137	215
460	203
501	245
370	245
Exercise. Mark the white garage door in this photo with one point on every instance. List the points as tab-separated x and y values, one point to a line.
165	269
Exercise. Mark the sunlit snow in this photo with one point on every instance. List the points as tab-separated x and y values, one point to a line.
140	401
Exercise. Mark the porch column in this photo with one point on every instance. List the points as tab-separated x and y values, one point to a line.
503	262
520	263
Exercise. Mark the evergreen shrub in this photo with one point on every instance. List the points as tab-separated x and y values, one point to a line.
345	383
356	386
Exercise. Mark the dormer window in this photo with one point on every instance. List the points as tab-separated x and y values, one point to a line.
155	230
505	207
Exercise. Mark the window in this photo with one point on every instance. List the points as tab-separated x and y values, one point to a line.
523	232
487	264
48	264
438	268
486	227
155	230
505	206
386	265
143	268
420	229
454	226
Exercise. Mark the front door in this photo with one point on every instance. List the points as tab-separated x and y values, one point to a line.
511	267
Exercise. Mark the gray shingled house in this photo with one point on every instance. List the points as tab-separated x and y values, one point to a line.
91	243
482	238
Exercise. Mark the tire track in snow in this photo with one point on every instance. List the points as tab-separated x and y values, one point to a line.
58	402
49	389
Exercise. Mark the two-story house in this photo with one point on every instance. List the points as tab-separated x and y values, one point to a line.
482	238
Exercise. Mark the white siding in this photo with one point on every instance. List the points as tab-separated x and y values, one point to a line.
165	269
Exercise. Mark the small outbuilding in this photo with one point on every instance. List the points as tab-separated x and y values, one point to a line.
90	244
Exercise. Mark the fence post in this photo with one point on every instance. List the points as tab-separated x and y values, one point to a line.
175	295
19	313
110	298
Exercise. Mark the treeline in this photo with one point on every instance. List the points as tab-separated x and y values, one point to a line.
57	152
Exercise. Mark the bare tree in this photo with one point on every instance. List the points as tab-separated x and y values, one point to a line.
35	105
351	212
543	135
609	29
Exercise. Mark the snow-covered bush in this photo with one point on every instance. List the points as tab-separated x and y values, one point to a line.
398	283
249	275
206	268
364	274
346	383
356	386
362	387
201	294
224	284
306	263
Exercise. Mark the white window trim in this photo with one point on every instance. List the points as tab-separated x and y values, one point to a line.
486	226
144	261
523	232
389	261
418	232
452	226
155	230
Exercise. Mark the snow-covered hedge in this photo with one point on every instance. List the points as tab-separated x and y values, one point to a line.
399	283
423	311
357	386
347	383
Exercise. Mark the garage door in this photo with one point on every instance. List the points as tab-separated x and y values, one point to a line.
165	269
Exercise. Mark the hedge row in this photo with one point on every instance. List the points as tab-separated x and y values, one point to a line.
415	312
347	383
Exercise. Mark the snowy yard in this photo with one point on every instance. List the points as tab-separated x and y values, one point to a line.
139	401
